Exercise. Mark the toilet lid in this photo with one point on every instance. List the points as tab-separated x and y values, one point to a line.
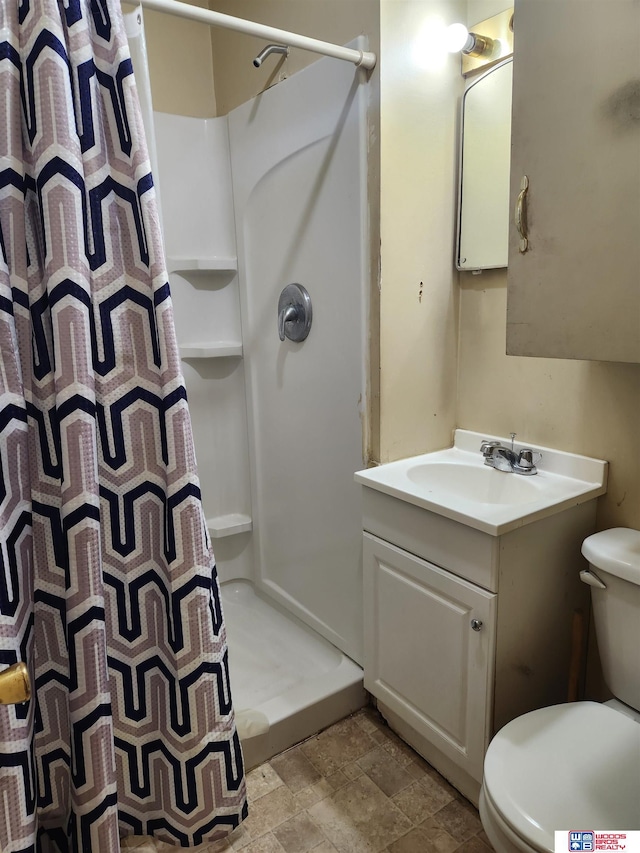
572	767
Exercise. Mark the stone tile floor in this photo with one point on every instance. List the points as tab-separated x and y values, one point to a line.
354	788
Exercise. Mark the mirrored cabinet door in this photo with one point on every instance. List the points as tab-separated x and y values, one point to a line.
483	209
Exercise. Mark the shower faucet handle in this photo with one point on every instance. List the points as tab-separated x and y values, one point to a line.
287	314
294	313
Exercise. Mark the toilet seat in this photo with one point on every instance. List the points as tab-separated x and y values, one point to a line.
564	767
502	836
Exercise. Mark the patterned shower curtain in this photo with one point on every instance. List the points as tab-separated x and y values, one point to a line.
107	587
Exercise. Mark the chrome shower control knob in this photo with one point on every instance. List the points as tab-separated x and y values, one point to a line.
294	313
476	624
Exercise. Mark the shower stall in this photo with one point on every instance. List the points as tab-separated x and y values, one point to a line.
274	194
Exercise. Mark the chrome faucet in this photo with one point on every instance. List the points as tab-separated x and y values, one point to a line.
502	458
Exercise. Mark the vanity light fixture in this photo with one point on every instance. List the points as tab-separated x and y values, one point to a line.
490	42
459	39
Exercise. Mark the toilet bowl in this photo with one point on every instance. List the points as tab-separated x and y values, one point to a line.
577	766
565	767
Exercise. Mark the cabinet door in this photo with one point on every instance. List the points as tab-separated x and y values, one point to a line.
576	135
422	657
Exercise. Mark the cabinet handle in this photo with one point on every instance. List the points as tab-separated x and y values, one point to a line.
476	624
521	214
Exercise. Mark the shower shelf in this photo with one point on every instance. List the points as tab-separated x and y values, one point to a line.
218	264
219	349
229	525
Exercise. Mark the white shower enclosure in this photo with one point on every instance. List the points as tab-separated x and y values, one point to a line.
274	194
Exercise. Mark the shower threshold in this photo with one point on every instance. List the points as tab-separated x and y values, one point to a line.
287	682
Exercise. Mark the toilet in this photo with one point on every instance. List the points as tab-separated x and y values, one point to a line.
577	766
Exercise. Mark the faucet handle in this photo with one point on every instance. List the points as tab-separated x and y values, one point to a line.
527	460
487	447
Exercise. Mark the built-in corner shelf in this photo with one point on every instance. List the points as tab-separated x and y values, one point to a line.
229	525
218	349
221	264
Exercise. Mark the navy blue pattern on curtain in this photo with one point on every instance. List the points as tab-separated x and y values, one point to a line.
108	588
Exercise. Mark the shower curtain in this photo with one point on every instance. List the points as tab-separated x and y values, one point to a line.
107	586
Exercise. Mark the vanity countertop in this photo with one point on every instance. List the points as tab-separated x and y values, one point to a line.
456	483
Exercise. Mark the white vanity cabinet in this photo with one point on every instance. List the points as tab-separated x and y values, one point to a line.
465	630
430	637
575	291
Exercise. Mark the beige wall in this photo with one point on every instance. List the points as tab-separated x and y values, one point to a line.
419	292
478	10
180	64
583	407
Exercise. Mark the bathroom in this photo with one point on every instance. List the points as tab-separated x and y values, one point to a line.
436	346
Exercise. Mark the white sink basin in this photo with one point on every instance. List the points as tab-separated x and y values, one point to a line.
457	484
471	483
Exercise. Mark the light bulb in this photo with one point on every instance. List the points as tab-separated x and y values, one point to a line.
456	36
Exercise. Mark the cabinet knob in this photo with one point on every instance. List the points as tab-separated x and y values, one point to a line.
476	624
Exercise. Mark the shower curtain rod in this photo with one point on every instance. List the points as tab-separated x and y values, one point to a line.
361	58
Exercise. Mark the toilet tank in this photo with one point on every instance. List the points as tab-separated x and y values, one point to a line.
614	557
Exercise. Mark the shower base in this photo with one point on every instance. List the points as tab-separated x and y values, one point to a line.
287	682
